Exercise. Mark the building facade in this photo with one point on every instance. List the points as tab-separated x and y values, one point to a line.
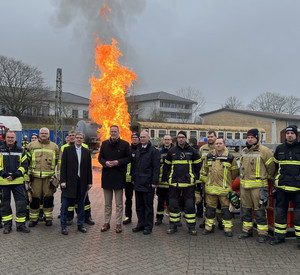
272	123
161	106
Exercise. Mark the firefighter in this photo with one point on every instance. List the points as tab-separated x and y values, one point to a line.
44	157
257	166
183	165
162	190
73	206
220	169
287	182
129	187
25	142
200	190
13	166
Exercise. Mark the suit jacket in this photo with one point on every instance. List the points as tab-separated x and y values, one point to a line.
69	171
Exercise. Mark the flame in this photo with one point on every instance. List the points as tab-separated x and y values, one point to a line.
105	8
107	103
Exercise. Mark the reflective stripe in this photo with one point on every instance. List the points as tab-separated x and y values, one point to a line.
159	212
280	231
227	224
297	227
197	161
87	207
254	183
287	188
180	184
7	218
279	225
262	227
291	162
209	222
218	211
33	215
71	208
23	219
11	154
269	161
181	161
248	224
257	168
297	233
19	180
48	214
250	155
128	176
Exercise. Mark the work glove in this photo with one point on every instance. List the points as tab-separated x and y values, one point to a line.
234	199
198	197
54	181
263	197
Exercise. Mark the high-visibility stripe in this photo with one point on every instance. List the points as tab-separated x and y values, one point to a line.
7	218
181	161
247	224
175	214
128	176
87	207
227	224
254	183
209	222
279	225
19	180
190	216
11	154
257	168
197	161
71	208
280	231
251	155
269	161
218	211
216	190
289	162
33	215
23	219
262	227
182	184
48	214
160	212
297	227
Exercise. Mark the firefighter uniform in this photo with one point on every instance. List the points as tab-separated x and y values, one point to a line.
183	165
219	172
14	163
257	166
73	206
44	157
287	183
129	187
162	190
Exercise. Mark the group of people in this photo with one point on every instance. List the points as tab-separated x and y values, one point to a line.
32	175
181	174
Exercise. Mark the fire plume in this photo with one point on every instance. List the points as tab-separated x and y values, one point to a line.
105	8
107	103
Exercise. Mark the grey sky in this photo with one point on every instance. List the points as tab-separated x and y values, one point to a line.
222	47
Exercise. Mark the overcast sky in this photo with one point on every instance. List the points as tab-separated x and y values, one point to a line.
221	47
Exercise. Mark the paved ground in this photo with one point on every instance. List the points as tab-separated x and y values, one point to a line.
46	251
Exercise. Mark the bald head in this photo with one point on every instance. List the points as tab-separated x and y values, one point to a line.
144	138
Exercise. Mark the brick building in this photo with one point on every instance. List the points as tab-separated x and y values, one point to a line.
272	123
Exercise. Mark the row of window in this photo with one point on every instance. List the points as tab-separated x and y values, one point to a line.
173	105
199	135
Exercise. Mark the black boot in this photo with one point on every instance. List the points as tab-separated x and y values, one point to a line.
277	241
23	228
172	228
246	234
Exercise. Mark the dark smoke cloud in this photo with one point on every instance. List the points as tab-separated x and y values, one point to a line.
86	22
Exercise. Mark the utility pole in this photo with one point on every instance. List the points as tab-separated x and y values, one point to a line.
58	134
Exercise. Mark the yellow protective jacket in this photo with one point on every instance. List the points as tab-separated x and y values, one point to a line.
219	172
257	166
44	157
203	152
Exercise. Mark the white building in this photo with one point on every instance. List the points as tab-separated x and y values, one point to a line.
161	106
72	106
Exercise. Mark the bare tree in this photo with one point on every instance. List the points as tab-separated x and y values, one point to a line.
21	86
233	102
157	116
292	105
269	102
195	95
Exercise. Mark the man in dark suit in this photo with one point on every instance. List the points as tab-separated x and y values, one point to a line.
76	180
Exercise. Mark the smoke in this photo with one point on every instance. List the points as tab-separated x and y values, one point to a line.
84	17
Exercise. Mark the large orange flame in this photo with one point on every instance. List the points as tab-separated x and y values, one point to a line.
107	103
105	8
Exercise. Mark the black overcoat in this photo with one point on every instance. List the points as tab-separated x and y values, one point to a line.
69	171
146	168
114	177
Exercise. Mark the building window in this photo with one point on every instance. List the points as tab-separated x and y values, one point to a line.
85	114
173	133
161	133
237	135
152	133
229	135
74	113
202	135
193	134
244	135
221	135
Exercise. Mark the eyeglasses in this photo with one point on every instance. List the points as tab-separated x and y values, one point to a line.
181	137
